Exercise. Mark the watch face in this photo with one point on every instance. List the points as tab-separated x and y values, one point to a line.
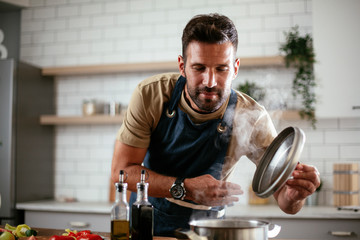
177	191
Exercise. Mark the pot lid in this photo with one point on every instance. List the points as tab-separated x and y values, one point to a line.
278	162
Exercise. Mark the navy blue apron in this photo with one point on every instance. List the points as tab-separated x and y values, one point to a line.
181	148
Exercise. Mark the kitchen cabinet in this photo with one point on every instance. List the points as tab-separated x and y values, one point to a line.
336	35
317	228
73	220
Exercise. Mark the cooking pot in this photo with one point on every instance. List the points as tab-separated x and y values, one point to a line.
231	229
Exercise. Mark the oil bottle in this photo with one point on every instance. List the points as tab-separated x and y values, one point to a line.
120	225
142	213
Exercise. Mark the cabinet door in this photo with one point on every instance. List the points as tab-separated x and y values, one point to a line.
326	229
64	220
336	34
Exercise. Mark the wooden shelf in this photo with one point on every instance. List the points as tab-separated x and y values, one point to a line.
80	120
275	61
117	119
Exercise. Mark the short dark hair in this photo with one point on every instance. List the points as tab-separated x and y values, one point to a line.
209	28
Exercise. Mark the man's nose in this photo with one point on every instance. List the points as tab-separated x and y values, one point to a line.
210	79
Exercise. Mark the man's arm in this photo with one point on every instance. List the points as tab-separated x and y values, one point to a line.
292	195
204	190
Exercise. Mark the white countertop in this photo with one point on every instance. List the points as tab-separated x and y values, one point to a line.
246	211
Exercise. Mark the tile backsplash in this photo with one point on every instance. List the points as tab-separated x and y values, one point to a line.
82	32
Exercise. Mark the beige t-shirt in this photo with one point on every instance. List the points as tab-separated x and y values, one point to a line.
253	129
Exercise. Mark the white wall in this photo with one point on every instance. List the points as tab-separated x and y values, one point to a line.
81	32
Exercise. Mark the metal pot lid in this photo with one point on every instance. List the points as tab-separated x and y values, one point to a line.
278	162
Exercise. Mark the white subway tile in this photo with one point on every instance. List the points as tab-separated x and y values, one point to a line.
44	13
90	9
66	36
263	37
128	19
26	39
87	194
350	152
304	20
248	24
76	179
346	123
165	5
26	14
67	167
143	30
99	180
102	47
291	7
152	43
76	153
87	168
67	11
316	137
55	24
43	37
235	11
154	17
91	34
55	2
261	9
342	137
103	21
54	49
37	3
89	140
31	26
276	22
66	140
31	51
141	6
78	48
324	151
116	7
79	22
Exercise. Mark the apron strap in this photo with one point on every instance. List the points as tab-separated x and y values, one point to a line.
228	117
175	99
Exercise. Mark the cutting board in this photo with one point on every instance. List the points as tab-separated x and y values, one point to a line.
346	184
45	234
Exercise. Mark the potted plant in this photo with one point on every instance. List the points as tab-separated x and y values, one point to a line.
252	89
299	53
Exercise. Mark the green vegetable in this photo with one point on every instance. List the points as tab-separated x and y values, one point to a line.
7	236
30	232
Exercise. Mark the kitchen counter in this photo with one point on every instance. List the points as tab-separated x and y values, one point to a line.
248	211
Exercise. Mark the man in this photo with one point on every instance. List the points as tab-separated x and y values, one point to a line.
188	130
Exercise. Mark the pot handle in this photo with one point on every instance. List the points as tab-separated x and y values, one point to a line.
188	234
274	230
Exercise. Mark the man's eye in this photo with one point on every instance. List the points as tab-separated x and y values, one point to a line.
199	68
222	69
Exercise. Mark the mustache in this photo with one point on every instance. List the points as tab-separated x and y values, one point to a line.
209	90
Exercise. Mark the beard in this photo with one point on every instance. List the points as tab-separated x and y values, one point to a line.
206	104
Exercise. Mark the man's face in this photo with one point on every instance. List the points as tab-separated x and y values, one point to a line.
209	70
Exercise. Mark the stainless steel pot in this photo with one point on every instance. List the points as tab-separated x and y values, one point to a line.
231	229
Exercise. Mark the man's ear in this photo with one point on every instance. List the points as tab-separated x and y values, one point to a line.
181	65
236	67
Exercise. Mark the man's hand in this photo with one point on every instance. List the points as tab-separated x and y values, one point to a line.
305	181
206	190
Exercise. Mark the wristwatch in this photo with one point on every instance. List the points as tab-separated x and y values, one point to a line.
177	190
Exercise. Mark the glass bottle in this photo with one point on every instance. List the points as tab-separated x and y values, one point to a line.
142	213
120	225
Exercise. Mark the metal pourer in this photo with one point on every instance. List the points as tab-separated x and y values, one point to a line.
121	185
